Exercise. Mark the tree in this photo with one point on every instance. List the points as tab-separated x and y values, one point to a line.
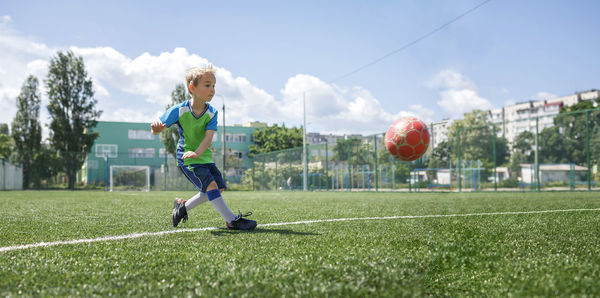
524	144
5	142
45	166
476	138
72	108
26	129
571	133
516	159
275	138
170	136
353	150
440	156
554	147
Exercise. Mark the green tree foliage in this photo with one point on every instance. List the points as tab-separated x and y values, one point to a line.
274	138
595	138
353	150
45	166
516	160
524	144
476	137
570	129
440	156
26	129
5	142
72	109
170	136
566	141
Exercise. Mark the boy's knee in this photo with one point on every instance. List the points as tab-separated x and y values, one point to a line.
212	186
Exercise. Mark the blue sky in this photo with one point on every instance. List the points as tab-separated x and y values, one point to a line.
268	52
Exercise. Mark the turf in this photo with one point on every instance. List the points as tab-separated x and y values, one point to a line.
544	254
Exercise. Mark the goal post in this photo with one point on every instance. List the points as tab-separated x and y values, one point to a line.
129	178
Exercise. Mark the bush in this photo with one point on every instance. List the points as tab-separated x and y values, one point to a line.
510	182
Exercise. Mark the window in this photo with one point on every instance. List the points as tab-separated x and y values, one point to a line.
102	150
141	152
162	152
138	134
237	154
235	137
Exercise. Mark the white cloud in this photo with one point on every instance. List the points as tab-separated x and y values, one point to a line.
129	115
335	109
544	96
458	94
19	56
138	88
330	108
424	113
150	76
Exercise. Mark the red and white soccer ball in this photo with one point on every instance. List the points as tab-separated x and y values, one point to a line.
407	138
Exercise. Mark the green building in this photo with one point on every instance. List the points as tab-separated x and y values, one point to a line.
133	144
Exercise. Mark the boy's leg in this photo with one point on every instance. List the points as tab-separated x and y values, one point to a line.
193	202
181	207
240	223
196	200
206	174
213	184
234	222
215	198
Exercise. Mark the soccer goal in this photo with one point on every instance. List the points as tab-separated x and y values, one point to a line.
129	178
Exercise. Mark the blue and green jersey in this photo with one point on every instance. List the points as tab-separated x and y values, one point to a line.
192	129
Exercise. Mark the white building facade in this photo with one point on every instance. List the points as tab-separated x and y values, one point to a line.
514	119
439	132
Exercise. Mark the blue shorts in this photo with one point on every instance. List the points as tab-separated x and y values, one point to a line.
201	175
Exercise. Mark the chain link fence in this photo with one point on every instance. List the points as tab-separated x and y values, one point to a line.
542	153
546	153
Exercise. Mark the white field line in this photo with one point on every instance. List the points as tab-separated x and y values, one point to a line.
144	234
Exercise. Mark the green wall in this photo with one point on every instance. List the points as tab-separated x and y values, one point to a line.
131	143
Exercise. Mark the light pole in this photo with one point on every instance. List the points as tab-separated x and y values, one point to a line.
223	149
304	165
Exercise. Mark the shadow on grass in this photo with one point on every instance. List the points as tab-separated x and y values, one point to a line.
227	232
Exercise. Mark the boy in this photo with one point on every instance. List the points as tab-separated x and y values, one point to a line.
197	123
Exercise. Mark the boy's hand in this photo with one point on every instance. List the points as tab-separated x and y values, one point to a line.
157	127
190	154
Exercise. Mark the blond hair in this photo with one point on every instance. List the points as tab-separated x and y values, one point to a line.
193	75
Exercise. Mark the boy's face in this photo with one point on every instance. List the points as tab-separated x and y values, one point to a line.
205	88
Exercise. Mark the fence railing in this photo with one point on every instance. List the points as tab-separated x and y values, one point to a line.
11	176
531	154
551	152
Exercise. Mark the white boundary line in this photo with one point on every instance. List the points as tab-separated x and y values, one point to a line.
138	235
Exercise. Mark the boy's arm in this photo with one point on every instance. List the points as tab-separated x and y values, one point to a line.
203	145
166	120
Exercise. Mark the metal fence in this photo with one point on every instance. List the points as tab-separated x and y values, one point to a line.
11	176
554	152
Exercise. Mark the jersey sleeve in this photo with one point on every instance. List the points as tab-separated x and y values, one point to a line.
171	116
212	124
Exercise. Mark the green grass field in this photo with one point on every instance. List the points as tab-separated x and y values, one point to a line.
544	254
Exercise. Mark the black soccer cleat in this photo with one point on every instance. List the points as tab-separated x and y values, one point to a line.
179	212
240	223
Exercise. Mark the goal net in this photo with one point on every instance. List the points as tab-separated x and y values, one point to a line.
129	178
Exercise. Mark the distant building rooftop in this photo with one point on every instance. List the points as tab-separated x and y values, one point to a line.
255	124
